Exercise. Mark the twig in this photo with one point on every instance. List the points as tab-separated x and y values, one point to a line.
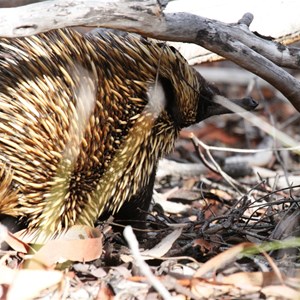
216	167
263	125
144	268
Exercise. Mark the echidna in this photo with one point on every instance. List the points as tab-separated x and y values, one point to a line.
84	120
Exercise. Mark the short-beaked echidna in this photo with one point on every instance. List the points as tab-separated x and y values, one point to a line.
84	120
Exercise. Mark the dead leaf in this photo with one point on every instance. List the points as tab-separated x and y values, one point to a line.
222	259
160	249
221	194
169	206
27	284
280	291
17	244
203	289
246	280
79	243
203	244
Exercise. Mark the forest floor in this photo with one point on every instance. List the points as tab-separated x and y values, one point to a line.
224	223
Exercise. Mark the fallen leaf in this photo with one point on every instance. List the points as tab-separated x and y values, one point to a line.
160	249
222	259
203	244
248	280
15	243
203	289
27	284
280	291
79	243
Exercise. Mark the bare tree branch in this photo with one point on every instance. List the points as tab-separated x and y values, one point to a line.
39	17
233	41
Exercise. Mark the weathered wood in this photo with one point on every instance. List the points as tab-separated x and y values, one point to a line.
43	16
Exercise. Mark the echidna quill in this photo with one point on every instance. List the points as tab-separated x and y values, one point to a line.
84	120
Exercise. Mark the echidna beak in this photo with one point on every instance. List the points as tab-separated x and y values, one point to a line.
220	105
248	103
235	105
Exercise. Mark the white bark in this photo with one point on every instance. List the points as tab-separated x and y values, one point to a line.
276	18
43	16
233	41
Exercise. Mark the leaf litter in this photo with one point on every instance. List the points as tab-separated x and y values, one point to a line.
224	225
